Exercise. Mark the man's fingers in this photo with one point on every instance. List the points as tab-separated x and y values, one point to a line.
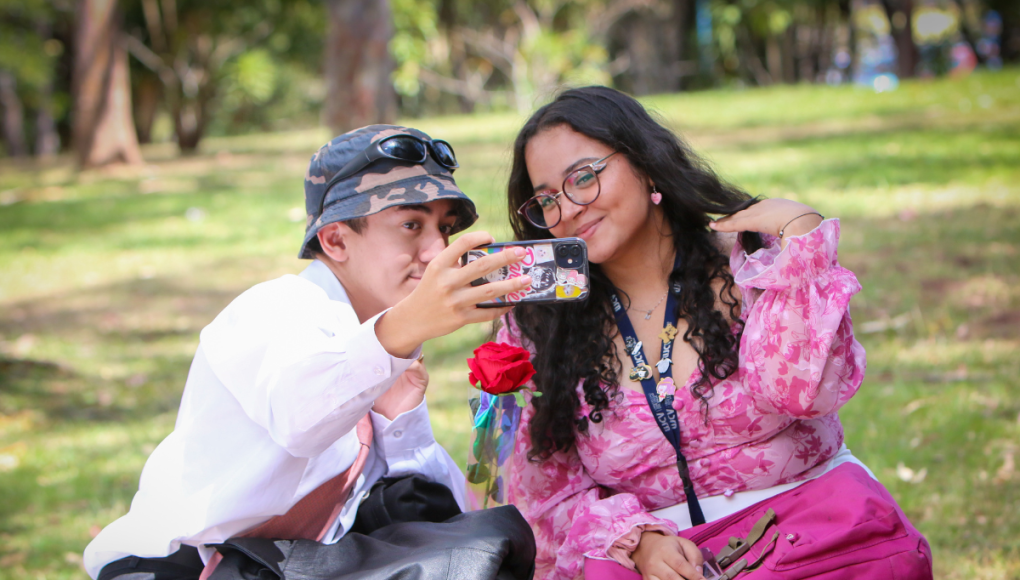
451	255
479	294
482	266
486	314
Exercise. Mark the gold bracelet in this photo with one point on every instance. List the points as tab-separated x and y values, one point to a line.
782	231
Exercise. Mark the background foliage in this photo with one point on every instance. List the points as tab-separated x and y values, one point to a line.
108	276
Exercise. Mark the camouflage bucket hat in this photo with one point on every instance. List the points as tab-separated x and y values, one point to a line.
383	183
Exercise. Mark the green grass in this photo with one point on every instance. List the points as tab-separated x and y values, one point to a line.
106	277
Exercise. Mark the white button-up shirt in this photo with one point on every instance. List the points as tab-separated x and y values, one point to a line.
280	379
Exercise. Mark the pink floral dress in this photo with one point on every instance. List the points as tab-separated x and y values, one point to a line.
774	421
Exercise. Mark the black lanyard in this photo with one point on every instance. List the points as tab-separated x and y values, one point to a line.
662	410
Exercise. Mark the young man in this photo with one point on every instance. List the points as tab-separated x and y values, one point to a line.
307	389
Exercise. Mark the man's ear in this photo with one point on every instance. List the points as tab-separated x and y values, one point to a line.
334	238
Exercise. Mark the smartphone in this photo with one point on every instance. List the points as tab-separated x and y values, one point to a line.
558	270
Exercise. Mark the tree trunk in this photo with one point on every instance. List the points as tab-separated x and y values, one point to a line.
104	131
683	17
358	66
147	96
899	13
191	119
789	53
458	55
774	58
13	115
47	141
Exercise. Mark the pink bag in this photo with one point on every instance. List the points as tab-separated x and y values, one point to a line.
843	525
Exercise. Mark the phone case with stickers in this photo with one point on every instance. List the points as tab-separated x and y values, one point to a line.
558	270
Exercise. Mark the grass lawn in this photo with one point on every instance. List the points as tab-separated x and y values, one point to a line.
106	278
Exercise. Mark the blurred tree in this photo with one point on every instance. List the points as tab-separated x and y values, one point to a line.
358	66
515	52
1009	11
104	130
14	115
648	45
188	45
900	13
28	62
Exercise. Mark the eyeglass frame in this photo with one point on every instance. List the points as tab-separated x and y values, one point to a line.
374	152
563	190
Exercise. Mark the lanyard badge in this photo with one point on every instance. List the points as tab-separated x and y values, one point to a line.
660	395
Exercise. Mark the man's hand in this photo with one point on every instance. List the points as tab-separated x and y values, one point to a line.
768	216
444	300
660	557
407	392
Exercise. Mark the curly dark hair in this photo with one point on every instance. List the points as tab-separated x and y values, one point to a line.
574	342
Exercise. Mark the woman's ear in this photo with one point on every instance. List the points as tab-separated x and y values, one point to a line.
333	238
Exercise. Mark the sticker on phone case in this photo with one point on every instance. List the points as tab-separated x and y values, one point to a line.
570	284
548	282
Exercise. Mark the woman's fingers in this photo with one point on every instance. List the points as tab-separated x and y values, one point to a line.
664	573
726	224
679	562
767	216
691	552
741	221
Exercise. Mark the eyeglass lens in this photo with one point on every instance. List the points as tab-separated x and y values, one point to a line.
581	186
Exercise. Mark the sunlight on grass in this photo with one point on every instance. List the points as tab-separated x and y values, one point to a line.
108	276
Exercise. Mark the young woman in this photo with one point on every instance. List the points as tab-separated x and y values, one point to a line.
704	373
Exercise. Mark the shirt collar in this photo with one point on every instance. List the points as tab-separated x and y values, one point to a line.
319	274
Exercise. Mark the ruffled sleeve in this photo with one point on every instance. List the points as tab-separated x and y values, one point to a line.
798	355
571	515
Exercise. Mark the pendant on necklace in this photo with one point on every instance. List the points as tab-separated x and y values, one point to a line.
640	373
648	316
663	365
665	388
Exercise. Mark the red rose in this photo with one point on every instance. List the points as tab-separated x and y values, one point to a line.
500	368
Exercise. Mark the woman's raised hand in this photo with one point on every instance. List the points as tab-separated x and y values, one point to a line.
769	216
661	557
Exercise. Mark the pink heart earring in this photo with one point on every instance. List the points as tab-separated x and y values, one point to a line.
656	196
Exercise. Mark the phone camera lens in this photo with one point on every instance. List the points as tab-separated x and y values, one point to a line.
575	251
562	251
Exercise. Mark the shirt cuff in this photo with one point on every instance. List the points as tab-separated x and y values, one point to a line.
623	548
371	363
804	258
406	433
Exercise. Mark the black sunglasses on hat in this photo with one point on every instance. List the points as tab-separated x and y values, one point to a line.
400	147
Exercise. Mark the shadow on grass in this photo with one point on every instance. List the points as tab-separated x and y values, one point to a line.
135	311
62	395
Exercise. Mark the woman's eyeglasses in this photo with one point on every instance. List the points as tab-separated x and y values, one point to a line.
400	147
581	186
